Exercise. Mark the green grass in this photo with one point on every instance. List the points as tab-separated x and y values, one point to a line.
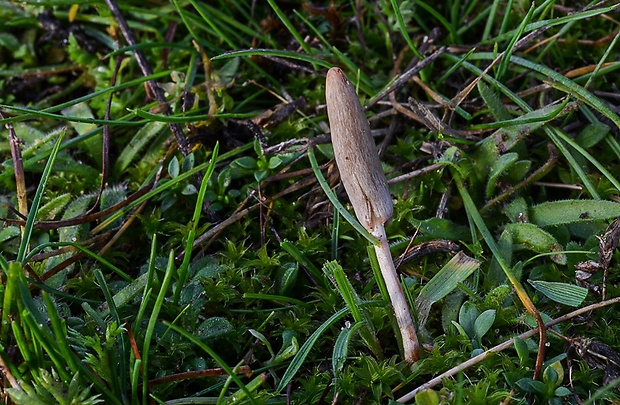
231	270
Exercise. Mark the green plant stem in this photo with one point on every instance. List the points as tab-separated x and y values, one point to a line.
472	211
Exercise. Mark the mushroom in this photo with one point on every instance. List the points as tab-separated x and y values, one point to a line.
365	183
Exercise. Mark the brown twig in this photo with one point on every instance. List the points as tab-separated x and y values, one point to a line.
212	372
18	170
534	177
83	219
153	86
105	141
416	173
402	79
242	211
6	372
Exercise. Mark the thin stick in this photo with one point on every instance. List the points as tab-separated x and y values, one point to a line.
417	173
404	78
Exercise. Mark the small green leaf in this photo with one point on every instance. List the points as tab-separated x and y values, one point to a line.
173	167
229	70
139	141
460	329
483	323
450	309
188	162
567	294
493	101
467	318
550	376
562	392
569	211
341	347
245	162
522	351
54	207
224	179
288	349
517	210
592	134
442	228
213	328
286	277
536	239
428	397
8	41
499	166
529	385
554	374
260	175
274	162
518	170
8	233
190	189
497	295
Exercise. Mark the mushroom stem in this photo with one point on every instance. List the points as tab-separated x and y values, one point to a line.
397	297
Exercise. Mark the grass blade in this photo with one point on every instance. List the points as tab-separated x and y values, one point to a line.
276	53
562	212
445	281
341	348
352	300
475	216
403	29
120	383
503	64
152	321
183	270
334	200
84	250
567	294
290	27
304	350
303	259
36	202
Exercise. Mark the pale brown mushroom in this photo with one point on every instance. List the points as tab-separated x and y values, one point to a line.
367	188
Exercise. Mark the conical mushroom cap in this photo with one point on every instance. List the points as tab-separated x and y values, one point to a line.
356	153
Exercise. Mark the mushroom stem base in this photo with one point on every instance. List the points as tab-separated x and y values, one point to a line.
411	344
